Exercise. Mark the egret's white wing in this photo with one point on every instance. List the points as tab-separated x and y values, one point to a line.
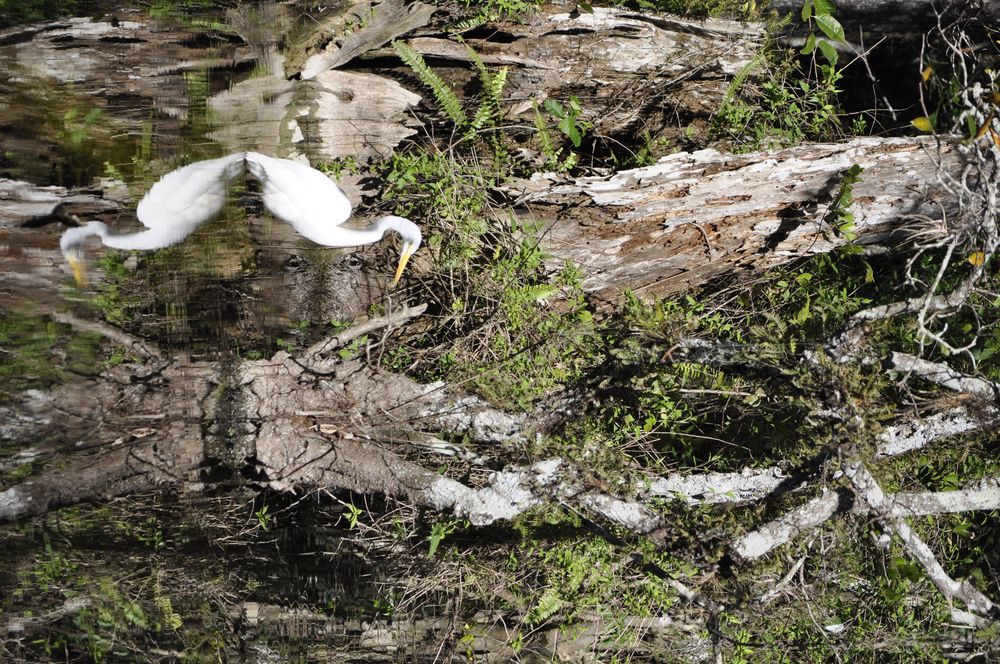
299	194
185	198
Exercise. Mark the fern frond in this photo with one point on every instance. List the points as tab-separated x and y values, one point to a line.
489	109
447	101
477	62
544	137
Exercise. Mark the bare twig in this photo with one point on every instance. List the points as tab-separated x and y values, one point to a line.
337	341
945	376
881	506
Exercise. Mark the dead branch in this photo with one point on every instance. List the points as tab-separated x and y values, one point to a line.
803	519
945	376
870	492
340	340
388	20
17	626
913	434
985	496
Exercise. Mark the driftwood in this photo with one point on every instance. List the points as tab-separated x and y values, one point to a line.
678	69
692	217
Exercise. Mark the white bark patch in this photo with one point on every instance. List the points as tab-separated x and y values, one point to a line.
507	495
746	485
12	504
802	519
915	434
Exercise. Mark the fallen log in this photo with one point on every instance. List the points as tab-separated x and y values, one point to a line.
692	217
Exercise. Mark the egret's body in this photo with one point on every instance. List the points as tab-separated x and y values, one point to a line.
184	199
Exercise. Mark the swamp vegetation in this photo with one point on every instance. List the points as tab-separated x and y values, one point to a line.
698	362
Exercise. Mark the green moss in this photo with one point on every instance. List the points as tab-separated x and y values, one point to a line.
36	352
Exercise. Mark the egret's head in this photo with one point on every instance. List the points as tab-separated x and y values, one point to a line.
411	241
71	244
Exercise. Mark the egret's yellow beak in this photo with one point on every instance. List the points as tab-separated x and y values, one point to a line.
79	269
408	250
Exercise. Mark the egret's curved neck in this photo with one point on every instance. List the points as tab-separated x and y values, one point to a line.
331	235
152	238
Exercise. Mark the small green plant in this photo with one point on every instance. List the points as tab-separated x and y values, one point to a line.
820	13
567	117
76	143
790	105
353	514
447	101
570	126
489	109
440	530
494	10
354	348
337	167
839	215
264	518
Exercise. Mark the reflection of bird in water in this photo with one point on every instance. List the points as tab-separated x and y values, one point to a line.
184	199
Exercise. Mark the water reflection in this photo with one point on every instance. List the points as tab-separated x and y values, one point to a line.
126	99
112	103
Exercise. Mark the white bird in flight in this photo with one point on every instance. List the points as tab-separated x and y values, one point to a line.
297	194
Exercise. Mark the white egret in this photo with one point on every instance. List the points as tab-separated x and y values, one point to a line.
184	199
171	210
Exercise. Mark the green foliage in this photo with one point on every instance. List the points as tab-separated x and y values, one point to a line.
447	101
839	215
785	109
14	12
790	104
569	124
36	352
76	145
353	513
561	581
487	11
567	117
439	530
264	518
821	12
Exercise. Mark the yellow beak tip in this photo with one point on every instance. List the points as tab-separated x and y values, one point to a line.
403	259
79	273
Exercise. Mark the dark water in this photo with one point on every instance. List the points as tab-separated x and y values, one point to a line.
112	99
109	100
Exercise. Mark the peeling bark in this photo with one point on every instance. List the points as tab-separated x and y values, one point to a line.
610	57
695	216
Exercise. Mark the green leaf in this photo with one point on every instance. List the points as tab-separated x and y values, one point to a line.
828	51
923	123
810	45
823	8
970	125
555	108
807	8
831	27
568	127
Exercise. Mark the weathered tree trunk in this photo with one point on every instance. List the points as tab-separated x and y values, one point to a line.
695	216
634	73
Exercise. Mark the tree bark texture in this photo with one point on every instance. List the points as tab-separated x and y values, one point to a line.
693	217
